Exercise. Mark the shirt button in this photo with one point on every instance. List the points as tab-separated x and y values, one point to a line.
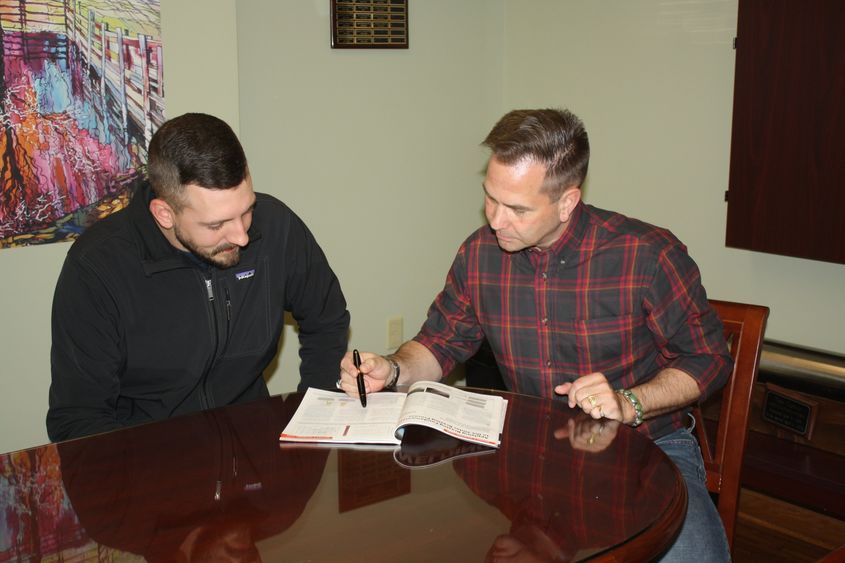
563	261
545	320
544	275
548	363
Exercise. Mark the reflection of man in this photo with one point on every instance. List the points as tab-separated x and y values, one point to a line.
575	301
213	484
177	303
569	485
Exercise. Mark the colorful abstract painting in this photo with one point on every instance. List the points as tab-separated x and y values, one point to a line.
82	92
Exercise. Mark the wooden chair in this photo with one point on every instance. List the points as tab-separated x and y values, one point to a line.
744	326
835	556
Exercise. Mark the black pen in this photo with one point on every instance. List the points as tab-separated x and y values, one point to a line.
362	391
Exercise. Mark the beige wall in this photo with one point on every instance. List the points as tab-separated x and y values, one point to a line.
201	74
377	151
653	82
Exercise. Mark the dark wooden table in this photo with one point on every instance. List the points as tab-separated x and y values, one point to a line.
562	486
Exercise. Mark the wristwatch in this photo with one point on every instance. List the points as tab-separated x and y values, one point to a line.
394	374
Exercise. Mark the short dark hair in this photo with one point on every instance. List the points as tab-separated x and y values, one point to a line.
194	148
552	137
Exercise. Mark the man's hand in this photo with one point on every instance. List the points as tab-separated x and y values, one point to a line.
669	390
416	363
376	370
594	395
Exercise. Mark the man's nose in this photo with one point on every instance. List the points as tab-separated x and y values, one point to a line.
238	235
496	217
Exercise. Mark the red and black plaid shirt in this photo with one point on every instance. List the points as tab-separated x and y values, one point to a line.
612	295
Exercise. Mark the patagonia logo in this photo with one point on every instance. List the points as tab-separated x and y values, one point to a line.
245	275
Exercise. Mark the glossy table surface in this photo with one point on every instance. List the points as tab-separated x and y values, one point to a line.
218	483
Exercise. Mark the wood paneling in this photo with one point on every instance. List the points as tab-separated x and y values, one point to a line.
787	171
772	530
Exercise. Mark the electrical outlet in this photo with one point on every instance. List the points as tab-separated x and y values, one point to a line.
395	337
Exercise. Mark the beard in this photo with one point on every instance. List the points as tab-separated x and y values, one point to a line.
224	256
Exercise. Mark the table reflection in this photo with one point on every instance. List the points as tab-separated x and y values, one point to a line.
226	484
571	486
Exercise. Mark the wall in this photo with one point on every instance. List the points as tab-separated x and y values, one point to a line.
653	82
201	74
377	150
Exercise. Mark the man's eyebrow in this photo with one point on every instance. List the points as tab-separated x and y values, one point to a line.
222	221
514	207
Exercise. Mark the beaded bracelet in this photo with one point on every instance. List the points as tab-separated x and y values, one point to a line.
635	402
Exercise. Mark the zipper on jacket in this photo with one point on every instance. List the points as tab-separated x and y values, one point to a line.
205	403
209	289
228	311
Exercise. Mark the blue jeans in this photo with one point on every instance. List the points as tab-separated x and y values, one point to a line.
702	538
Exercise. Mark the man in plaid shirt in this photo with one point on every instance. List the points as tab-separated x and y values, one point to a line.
575	301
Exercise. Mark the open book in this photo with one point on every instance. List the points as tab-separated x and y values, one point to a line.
336	418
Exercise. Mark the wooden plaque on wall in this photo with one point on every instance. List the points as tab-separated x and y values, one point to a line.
369	24
787	171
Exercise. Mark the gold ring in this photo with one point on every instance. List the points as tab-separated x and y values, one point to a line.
592	439
601	412
592	399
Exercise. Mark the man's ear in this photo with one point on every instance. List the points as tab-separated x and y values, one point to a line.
164	215
568	201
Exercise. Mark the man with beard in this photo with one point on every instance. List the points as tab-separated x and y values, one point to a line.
176	303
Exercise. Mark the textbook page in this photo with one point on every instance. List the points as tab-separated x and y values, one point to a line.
469	416
328	416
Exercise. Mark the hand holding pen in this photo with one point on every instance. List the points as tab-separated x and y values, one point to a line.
362	390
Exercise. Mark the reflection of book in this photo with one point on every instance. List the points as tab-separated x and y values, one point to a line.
330	417
425	447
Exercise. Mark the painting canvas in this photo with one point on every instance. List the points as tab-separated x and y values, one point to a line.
82	92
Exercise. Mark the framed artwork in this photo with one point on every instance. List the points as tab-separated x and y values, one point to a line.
82	92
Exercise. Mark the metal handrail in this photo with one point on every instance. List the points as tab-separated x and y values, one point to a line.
818	367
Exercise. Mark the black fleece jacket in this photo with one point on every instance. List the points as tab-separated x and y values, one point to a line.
142	332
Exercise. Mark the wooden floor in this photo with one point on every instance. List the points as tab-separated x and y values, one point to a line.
772	530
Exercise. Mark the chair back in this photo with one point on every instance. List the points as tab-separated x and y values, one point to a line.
723	447
835	556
